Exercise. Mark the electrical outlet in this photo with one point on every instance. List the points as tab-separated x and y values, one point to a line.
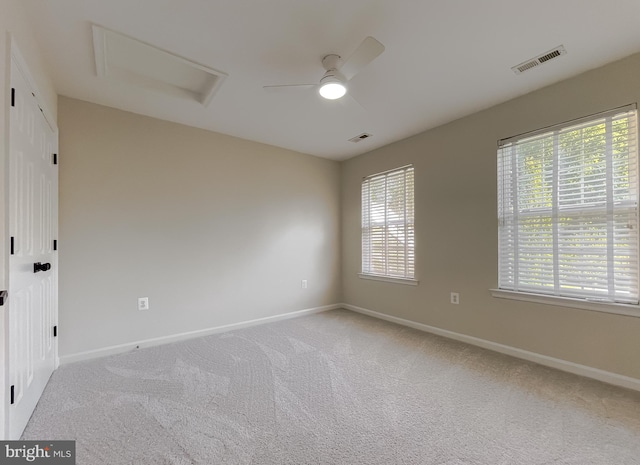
304	284
143	303
455	298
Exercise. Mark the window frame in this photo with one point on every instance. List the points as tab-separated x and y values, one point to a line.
557	298
407	226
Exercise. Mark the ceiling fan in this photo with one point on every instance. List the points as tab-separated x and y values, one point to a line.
333	83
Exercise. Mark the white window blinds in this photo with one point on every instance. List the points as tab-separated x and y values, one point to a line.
568	209
388	238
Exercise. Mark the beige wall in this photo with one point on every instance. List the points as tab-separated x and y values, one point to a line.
456	229
213	229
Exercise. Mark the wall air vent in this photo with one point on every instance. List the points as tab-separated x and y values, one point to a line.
362	136
540	59
136	63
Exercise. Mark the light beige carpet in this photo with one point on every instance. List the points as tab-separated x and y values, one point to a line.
333	388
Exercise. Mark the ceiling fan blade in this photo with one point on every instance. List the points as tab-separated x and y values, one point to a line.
357	103
366	52
288	86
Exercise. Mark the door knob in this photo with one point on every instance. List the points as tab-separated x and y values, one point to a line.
41	267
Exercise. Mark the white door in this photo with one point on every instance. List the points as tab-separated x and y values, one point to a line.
33	209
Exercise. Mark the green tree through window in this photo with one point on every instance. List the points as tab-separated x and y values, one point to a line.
388	236
568	210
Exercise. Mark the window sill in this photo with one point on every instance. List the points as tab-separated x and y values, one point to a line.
375	277
594	306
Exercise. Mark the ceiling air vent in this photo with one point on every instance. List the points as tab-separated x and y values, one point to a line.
362	136
540	59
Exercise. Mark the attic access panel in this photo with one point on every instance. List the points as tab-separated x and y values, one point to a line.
126	59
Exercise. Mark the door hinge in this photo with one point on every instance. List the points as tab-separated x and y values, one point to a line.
13	394
3	297
13	244
55	244
55	331
55	158
13	97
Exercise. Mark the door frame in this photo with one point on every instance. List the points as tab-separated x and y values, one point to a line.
12	57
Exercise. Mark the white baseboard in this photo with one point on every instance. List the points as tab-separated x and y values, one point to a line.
564	365
117	349
575	368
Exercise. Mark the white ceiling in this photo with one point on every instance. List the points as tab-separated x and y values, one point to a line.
444	59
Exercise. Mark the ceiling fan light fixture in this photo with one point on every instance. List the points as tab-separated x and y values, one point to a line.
332	87
332	90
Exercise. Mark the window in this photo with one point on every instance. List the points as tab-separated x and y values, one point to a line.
388	239
568	209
